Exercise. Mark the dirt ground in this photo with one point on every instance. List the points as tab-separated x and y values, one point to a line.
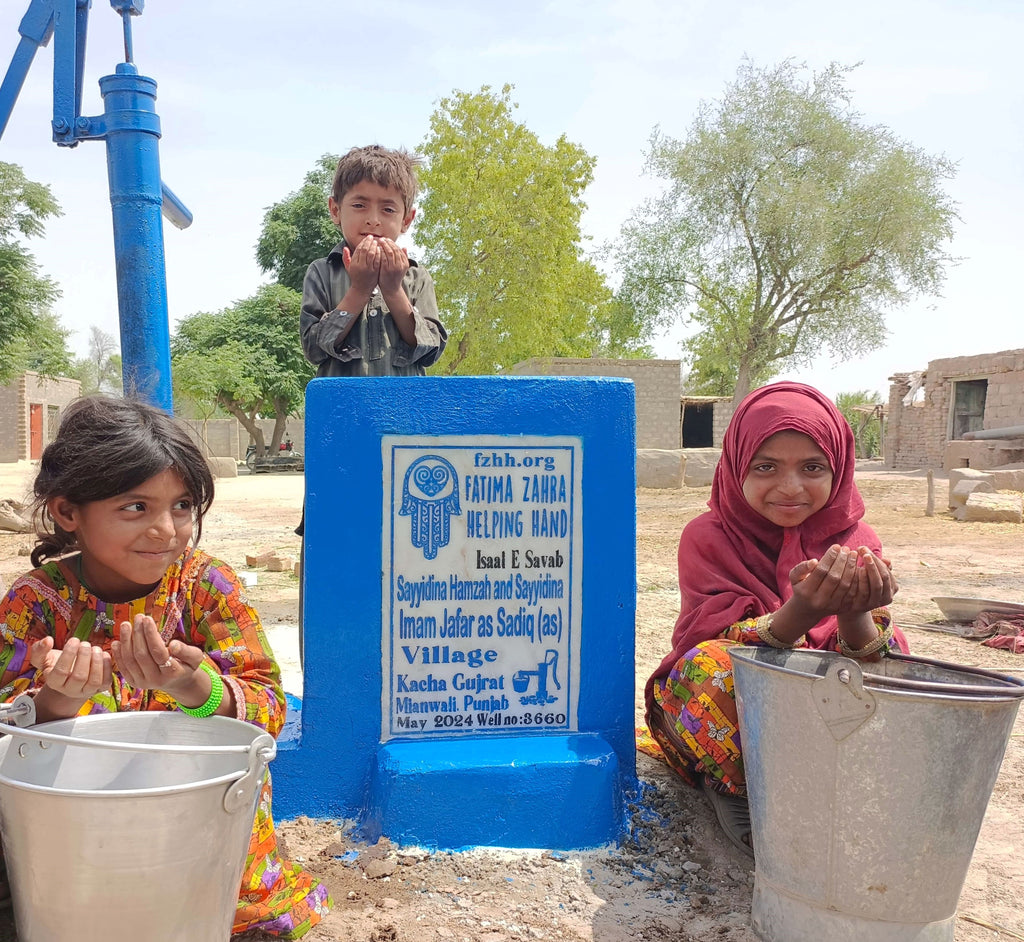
674	875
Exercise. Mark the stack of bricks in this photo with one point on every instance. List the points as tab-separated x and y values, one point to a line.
271	560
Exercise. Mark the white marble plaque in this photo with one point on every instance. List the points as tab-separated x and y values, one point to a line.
482	573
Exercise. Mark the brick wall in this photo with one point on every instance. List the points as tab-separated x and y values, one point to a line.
917	435
226	438
657	390
222	438
10	421
295	430
218	438
52	394
724	409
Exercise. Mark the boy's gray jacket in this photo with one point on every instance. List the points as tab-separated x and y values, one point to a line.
373	347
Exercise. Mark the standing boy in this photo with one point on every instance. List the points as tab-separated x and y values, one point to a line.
368	309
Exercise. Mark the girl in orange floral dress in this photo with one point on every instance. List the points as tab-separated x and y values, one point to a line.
124	613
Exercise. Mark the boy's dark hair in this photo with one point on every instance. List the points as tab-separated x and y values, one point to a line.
104	447
390	168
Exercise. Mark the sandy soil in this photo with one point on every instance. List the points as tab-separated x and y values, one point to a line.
674	875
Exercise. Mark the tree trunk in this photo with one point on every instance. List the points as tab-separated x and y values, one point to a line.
742	382
249	424
280	420
452	363
861	433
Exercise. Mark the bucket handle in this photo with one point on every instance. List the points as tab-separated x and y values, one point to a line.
1003	686
240	792
22	711
841	699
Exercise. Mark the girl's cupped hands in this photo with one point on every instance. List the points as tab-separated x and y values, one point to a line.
844	581
145	661
77	671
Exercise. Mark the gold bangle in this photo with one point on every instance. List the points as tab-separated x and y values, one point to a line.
763	628
872	647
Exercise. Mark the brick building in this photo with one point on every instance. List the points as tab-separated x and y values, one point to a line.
930	411
30	409
657	390
703	420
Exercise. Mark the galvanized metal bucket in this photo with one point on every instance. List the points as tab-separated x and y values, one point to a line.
128	825
868	783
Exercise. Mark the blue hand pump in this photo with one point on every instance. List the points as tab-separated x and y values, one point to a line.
131	127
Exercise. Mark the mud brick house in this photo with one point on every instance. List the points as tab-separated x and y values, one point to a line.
30	411
664	418
703	420
657	390
930	412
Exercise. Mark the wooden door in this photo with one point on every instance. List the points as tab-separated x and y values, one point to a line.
35	430
969	406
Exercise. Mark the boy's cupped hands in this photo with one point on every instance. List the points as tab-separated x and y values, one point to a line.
376	261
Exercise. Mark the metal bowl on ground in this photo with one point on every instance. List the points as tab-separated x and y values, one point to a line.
966	609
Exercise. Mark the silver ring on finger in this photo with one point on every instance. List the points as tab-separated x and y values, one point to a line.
168	663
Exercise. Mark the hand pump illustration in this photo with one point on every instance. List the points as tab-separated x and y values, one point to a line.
521	680
131	128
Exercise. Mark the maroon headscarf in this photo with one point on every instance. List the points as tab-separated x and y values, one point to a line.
734	563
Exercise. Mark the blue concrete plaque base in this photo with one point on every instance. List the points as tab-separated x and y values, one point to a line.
474	790
469	607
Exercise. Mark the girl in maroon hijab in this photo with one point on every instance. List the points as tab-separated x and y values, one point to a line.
781	559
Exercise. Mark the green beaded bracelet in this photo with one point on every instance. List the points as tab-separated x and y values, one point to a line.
213	700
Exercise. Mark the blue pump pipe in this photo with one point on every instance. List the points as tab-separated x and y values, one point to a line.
131	128
133	170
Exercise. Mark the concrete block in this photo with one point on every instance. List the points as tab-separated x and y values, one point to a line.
958	496
956	475
959	474
223	467
700	466
397	751
659	467
993	508
1008	479
575	771
11	517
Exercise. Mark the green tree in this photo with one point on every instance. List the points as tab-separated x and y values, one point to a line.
44	349
30	338
298	229
863	410
499	227
788	225
245	359
100	371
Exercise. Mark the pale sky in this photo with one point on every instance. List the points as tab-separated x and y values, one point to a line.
251	92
